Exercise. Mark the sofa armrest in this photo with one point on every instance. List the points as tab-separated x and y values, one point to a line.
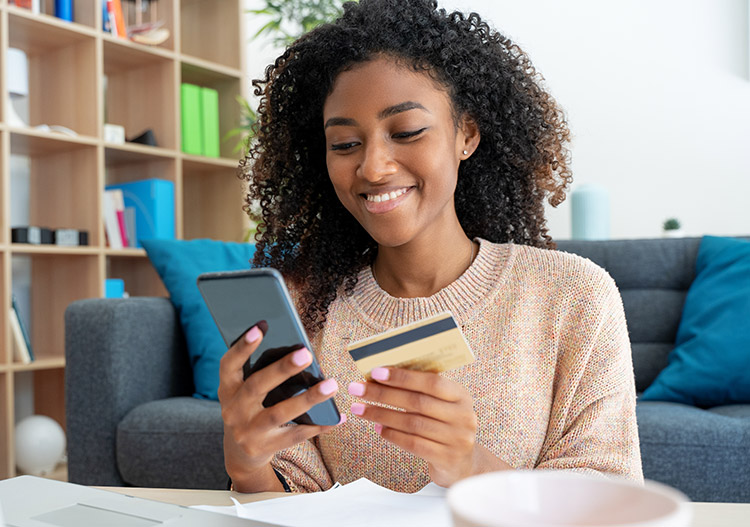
120	353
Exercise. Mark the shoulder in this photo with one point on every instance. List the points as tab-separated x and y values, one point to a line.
560	267
562	278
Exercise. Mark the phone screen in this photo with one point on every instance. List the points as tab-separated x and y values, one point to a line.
237	301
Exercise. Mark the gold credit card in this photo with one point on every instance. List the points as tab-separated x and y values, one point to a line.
433	344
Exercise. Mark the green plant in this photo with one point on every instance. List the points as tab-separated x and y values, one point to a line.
672	224
289	19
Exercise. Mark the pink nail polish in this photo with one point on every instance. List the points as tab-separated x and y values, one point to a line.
301	357
358	408
378	428
328	386
253	335
380	374
357	389
343	419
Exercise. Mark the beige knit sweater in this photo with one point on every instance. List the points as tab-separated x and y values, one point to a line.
552	383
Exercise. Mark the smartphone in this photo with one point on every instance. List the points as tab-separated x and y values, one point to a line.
238	300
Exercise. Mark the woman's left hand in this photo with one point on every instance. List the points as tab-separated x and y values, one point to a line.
437	423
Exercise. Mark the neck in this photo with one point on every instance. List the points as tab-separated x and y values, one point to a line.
421	268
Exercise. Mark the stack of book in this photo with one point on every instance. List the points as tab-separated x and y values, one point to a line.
138	210
200	120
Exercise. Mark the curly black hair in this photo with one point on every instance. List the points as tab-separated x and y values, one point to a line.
521	160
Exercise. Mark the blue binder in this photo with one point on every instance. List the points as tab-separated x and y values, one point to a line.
153	201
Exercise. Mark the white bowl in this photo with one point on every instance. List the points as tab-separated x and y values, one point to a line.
555	498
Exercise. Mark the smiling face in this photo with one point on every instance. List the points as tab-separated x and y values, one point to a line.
393	151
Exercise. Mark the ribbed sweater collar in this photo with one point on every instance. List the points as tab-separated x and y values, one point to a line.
466	295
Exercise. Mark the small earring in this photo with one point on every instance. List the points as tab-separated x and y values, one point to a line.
466	152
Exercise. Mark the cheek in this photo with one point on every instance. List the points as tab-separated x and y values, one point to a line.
341	181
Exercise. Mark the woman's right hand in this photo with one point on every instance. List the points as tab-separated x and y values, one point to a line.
253	433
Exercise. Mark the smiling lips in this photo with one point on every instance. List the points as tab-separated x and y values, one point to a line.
385	202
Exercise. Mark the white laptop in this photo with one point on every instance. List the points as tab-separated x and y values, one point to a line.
29	501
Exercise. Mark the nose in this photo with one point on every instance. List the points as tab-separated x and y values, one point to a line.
377	161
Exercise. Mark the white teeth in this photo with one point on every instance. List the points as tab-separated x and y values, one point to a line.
377	198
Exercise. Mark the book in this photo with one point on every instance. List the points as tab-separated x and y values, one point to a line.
20	350
130	225
111	223
153	201
117	20
210	118
191	122
120	209
22	326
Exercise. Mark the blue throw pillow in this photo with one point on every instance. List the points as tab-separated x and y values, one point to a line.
710	365
179	262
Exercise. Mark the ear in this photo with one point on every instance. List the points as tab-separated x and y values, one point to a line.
467	138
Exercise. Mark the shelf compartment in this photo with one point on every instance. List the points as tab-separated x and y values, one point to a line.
84	13
52	48
212	202
228	86
161	11
140	277
123	166
54	281
45	28
62	176
140	92
201	22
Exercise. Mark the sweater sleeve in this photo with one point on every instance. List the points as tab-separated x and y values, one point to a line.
303	468
592	425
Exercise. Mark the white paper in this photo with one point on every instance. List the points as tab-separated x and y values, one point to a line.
361	503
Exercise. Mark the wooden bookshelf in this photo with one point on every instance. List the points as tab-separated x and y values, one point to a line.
68	64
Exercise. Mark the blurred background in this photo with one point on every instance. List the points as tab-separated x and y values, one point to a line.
657	95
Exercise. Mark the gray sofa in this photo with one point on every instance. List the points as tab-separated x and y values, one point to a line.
131	419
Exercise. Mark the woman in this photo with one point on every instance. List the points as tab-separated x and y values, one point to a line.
403	156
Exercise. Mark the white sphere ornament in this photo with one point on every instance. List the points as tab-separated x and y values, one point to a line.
40	445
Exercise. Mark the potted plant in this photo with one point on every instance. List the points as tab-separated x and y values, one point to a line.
671	228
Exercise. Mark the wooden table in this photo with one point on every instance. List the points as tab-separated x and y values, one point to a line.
704	514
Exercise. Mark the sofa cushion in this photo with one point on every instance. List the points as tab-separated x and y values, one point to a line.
179	263
703	453
710	365
172	443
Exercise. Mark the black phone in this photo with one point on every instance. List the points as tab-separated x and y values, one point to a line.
238	300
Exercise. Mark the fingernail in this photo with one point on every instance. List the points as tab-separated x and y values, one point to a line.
301	357
254	334
356	388
358	408
328	386
378	428
380	374
343	419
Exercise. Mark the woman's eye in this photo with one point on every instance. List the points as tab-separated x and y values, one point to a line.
406	135
343	146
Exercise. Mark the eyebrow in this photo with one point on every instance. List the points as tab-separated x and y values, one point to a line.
387	112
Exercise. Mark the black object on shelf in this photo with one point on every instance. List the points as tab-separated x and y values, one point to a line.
146	138
32	235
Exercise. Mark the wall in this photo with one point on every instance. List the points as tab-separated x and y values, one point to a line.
657	94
